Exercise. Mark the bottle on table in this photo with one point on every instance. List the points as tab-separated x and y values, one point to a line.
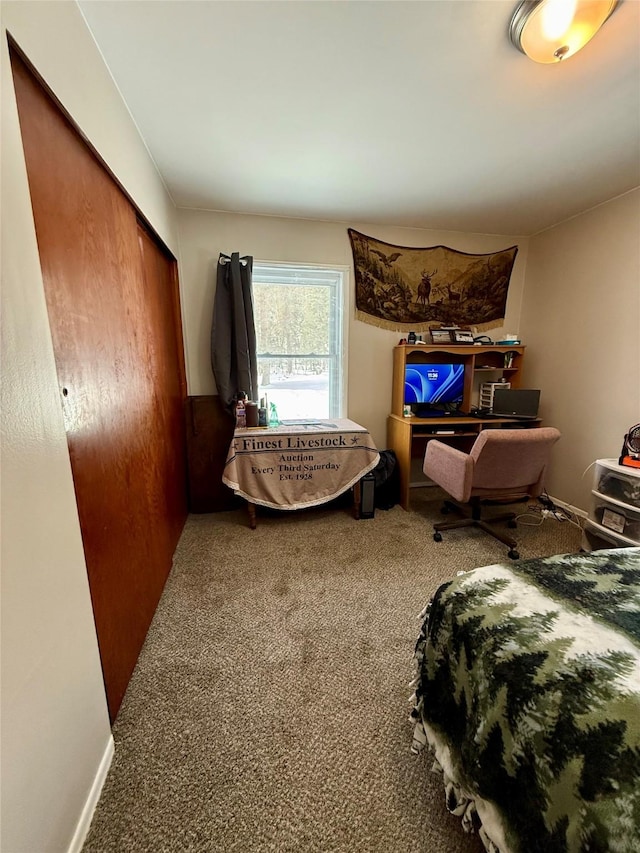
251	413
241	412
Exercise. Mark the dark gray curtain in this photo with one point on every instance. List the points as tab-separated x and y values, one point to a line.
233	333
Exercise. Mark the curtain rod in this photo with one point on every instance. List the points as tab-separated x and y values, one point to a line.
225	259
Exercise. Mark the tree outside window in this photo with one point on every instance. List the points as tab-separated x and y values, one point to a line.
298	318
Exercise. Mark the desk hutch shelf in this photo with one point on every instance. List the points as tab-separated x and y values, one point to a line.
485	362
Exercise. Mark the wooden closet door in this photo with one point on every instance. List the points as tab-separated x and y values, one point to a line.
113	312
166	432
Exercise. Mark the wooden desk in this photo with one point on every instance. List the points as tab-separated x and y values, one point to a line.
293	466
408	437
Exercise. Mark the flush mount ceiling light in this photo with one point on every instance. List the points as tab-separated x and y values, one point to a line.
552	30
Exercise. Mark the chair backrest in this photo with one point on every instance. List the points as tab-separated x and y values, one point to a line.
512	460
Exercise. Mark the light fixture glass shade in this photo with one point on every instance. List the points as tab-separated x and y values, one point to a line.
552	30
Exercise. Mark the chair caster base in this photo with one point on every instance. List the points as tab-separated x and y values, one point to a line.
513	554
437	537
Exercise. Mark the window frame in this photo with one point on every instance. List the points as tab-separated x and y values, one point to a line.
339	322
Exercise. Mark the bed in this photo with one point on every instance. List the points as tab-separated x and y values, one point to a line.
528	694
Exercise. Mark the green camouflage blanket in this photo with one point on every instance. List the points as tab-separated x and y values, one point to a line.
528	691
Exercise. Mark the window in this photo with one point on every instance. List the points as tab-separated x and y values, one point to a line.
299	332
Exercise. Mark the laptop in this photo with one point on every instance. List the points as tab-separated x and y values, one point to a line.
518	403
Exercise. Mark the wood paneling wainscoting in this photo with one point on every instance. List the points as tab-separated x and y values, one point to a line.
112	297
209	433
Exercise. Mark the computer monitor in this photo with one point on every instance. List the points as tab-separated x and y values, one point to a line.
433	384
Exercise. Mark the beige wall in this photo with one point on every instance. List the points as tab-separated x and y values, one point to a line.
581	320
203	235
55	729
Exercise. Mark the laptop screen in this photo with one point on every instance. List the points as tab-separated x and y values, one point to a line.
516	402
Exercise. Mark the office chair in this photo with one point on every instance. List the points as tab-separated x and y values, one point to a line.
503	466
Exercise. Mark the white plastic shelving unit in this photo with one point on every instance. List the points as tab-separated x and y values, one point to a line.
614	516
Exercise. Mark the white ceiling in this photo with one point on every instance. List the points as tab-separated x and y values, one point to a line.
408	113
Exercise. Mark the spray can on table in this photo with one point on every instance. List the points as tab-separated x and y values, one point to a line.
263	419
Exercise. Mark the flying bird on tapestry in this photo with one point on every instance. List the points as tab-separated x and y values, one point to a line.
398	286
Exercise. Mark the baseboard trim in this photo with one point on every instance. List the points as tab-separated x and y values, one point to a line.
86	816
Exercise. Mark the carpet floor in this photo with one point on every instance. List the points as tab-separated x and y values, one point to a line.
269	707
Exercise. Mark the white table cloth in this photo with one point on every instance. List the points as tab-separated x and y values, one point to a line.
297	465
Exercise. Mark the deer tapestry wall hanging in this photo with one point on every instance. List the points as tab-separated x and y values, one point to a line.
399	287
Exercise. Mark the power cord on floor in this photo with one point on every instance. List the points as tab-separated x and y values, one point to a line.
550	510
546	508
533	511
